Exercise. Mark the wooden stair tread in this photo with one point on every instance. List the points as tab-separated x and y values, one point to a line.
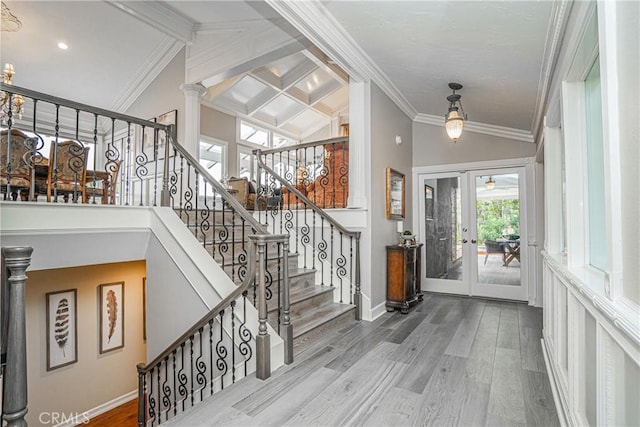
299	294
318	317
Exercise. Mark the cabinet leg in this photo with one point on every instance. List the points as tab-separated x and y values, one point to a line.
404	310
390	309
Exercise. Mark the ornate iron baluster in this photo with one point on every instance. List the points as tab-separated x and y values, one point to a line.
221	351
322	251
211	322
233	342
166	390
152	400
245	335
201	368
175	394
191	367
182	377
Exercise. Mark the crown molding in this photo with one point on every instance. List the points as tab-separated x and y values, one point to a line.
314	21
555	34
153	66
160	17
469	126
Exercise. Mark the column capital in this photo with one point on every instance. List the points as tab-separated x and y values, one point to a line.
193	89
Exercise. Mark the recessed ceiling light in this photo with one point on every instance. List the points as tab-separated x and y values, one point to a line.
63	45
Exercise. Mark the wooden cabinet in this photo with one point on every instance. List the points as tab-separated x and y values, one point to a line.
403	277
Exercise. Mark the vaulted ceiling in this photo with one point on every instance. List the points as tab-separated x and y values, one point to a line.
502	52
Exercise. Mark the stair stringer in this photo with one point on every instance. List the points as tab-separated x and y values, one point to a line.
203	273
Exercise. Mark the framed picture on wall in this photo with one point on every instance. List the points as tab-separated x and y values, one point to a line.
111	307
62	329
169	118
395	194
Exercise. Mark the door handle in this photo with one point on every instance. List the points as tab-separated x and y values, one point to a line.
464	240
473	241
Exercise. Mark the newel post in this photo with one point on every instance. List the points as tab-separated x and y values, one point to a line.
165	195
263	344
14	405
287	327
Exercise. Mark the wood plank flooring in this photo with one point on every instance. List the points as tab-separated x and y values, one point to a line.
452	361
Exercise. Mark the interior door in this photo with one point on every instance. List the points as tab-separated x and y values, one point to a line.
497	234
442	219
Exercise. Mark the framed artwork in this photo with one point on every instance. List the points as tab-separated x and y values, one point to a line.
428	202
395	194
111	306
170	118
62	329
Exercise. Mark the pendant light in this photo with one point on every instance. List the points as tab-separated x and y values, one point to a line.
455	117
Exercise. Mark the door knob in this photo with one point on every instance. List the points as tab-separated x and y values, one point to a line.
473	241
464	240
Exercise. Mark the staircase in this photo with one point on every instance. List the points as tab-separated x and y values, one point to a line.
313	307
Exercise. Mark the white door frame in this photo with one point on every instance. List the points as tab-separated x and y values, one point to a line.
528	213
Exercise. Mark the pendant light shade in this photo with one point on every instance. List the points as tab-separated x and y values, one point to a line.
455	117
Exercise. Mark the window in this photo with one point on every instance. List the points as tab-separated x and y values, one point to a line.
254	134
596	221
213	157
246	167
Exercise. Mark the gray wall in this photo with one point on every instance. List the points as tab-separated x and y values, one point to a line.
432	146
387	121
163	94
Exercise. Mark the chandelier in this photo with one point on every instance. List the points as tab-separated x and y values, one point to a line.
9	21
490	183
455	117
13	103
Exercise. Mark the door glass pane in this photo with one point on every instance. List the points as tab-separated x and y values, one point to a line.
443	241
498	214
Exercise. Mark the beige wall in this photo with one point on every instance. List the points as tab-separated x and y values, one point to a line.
95	378
387	121
431	146
216	124
163	94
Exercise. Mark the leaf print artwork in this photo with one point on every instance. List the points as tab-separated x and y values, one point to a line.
61	327
112	312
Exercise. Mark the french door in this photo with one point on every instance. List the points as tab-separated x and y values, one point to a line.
473	227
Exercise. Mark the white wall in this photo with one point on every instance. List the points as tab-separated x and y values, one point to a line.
387	121
432	146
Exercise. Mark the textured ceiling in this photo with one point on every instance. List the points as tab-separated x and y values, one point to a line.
495	49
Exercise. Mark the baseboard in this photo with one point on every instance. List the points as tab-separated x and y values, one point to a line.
378	310
82	418
561	409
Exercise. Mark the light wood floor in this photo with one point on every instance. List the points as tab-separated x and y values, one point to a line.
452	361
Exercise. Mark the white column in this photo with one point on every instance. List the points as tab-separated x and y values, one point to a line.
192	94
359	142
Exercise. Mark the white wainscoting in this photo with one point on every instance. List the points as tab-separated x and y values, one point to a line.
592	353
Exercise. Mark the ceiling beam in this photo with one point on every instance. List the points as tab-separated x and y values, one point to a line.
160	17
319	57
267	95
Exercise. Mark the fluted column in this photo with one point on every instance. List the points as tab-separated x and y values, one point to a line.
14	405
192	94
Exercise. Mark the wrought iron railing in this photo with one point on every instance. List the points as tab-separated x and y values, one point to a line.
323	243
215	352
130	161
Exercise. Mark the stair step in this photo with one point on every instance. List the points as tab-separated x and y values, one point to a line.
303	299
321	320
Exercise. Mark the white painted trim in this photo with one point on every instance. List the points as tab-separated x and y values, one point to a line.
558	396
318	25
604	306
476	127
100	409
555	33
469	166
153	66
378	310
160	17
